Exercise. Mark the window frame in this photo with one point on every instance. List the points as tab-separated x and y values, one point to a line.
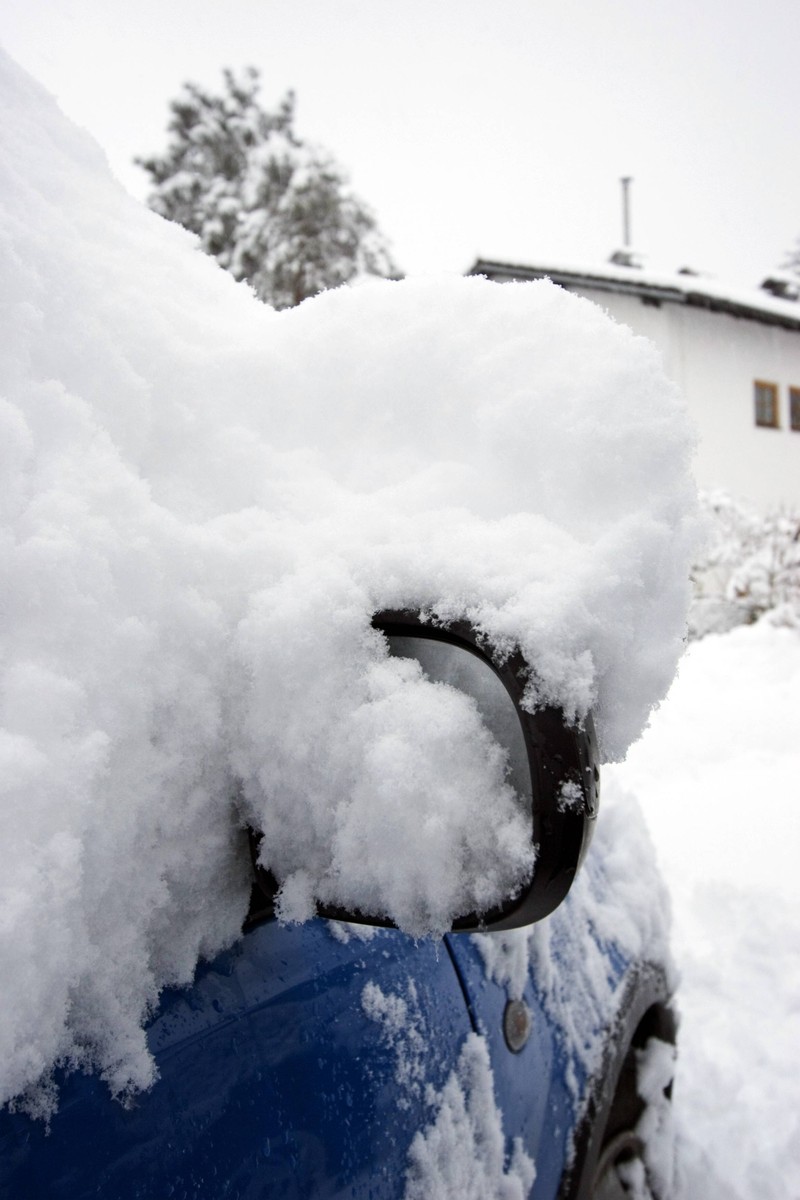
794	409
761	389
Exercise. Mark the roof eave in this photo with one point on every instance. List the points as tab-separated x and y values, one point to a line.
648	292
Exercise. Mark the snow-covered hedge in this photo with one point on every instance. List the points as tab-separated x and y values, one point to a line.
749	567
203	503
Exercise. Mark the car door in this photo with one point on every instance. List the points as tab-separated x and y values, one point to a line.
296	1066
529	1062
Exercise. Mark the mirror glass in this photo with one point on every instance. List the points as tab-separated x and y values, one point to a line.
461	669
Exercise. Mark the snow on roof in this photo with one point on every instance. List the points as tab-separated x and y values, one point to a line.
681	287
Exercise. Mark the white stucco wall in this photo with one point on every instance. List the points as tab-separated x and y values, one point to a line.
715	359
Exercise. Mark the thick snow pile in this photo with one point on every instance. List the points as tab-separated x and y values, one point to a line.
203	504
719	770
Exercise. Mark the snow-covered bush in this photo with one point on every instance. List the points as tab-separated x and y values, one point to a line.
203	502
749	567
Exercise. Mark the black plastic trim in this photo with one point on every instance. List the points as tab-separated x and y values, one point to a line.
558	754
645	1011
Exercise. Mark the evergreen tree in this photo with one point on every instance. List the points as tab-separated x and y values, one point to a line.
270	208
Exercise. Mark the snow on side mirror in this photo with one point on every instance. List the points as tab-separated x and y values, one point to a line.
551	767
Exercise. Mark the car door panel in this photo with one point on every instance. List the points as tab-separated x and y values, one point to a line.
274	1080
530	1086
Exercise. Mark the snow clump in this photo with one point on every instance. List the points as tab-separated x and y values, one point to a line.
203	503
403	1031
461	1153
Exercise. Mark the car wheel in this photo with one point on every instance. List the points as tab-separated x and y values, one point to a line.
620	1173
623	1145
624	1168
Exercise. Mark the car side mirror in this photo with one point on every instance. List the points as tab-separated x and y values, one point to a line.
551	766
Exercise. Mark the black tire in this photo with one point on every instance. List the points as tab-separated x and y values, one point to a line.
613	1175
609	1156
621	1160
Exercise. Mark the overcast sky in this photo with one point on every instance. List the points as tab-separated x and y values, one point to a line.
497	128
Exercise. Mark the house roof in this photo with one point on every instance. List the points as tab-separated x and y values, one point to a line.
696	291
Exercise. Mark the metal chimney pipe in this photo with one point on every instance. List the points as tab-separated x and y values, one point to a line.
626	181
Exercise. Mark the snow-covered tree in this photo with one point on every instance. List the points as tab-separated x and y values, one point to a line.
269	207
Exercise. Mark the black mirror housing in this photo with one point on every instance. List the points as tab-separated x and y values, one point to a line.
562	761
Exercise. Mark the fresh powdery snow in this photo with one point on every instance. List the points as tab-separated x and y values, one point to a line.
203	503
461	1153
403	1031
719	771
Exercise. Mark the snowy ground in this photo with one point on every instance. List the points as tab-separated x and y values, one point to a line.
718	774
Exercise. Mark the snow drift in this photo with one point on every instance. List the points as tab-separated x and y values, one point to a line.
203	503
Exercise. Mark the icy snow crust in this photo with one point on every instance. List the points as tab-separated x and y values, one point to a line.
203	503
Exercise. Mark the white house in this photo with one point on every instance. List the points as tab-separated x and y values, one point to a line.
734	353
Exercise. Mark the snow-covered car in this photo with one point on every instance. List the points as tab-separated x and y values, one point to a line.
336	1059
316	626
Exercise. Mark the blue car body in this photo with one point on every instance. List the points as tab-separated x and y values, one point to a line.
275	1081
